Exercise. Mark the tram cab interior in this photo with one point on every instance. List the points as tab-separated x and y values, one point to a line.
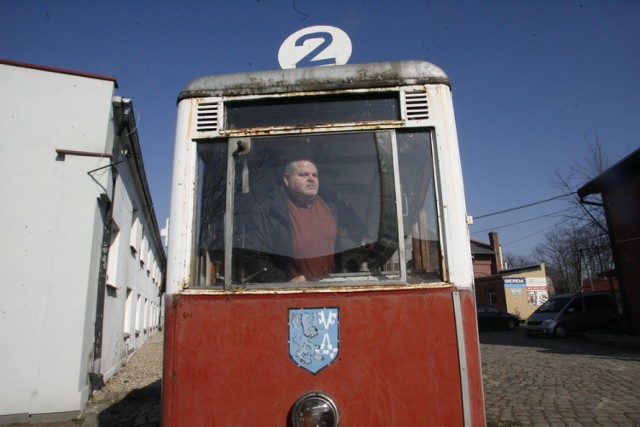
380	183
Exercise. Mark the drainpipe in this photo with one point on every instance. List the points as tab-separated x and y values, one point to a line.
95	376
106	201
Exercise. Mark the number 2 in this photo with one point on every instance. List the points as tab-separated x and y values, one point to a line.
309	60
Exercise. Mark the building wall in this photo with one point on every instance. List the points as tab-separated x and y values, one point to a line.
600	285
523	301
518	292
52	231
45	258
622	209
481	266
134	270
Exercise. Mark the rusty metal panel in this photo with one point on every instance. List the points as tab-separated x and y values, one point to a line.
227	360
350	76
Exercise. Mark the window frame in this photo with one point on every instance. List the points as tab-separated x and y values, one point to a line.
200	264
234	144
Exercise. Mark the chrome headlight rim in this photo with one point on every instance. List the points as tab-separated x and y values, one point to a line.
305	408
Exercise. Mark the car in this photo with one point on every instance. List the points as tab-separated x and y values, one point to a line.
490	317
575	312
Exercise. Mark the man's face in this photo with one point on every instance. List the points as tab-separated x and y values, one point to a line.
301	180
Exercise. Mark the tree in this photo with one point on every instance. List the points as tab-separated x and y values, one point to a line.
516	260
571	254
580	248
579	173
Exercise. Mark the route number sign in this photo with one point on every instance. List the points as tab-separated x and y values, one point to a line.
315	46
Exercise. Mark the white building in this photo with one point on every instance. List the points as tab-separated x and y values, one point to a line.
81	259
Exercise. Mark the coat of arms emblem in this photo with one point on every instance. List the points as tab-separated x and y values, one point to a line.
313	337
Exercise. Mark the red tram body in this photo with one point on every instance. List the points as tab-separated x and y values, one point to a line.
389	337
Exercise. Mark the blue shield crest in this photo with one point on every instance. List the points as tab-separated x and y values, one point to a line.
313	337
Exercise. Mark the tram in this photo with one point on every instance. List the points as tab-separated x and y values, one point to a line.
319	268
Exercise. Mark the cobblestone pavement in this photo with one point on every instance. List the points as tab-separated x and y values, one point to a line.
558	382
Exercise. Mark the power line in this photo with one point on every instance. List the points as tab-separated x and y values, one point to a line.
531	235
521	222
523	206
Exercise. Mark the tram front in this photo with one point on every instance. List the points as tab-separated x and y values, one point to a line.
319	267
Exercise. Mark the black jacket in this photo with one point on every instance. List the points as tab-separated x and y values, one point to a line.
263	238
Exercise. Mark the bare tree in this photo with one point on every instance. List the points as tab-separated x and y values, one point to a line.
580	249
516	260
572	254
580	172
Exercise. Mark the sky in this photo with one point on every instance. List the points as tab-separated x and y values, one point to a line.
535	82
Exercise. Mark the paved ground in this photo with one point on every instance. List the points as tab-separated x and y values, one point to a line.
527	382
553	382
132	396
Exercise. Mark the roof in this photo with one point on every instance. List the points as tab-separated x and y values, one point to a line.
520	269
121	104
611	176
59	70
510	271
480	248
350	76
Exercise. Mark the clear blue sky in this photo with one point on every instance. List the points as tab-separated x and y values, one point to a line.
534	81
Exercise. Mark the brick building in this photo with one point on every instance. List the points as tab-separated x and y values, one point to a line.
517	290
619	187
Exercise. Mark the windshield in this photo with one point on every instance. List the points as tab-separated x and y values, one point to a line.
554	305
317	209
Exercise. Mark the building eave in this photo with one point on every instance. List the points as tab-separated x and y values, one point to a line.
129	120
59	70
510	272
611	176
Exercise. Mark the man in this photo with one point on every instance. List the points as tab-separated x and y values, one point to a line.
291	235
313	225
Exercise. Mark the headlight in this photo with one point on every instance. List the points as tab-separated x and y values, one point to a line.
548	323
315	409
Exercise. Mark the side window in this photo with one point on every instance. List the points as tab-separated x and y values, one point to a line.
419	210
597	301
576	305
211	198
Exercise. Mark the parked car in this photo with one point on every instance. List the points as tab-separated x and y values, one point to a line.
493	318
576	312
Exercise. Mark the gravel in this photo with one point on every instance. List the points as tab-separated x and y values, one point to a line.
142	369
132	396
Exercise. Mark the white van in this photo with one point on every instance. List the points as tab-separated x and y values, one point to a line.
577	312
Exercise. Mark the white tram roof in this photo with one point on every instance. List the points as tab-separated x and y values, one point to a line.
350	76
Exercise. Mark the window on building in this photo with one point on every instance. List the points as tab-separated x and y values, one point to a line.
136	232
138	314
127	313
113	260
491	296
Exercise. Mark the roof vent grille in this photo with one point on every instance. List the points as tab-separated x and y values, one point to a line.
416	105
207	116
